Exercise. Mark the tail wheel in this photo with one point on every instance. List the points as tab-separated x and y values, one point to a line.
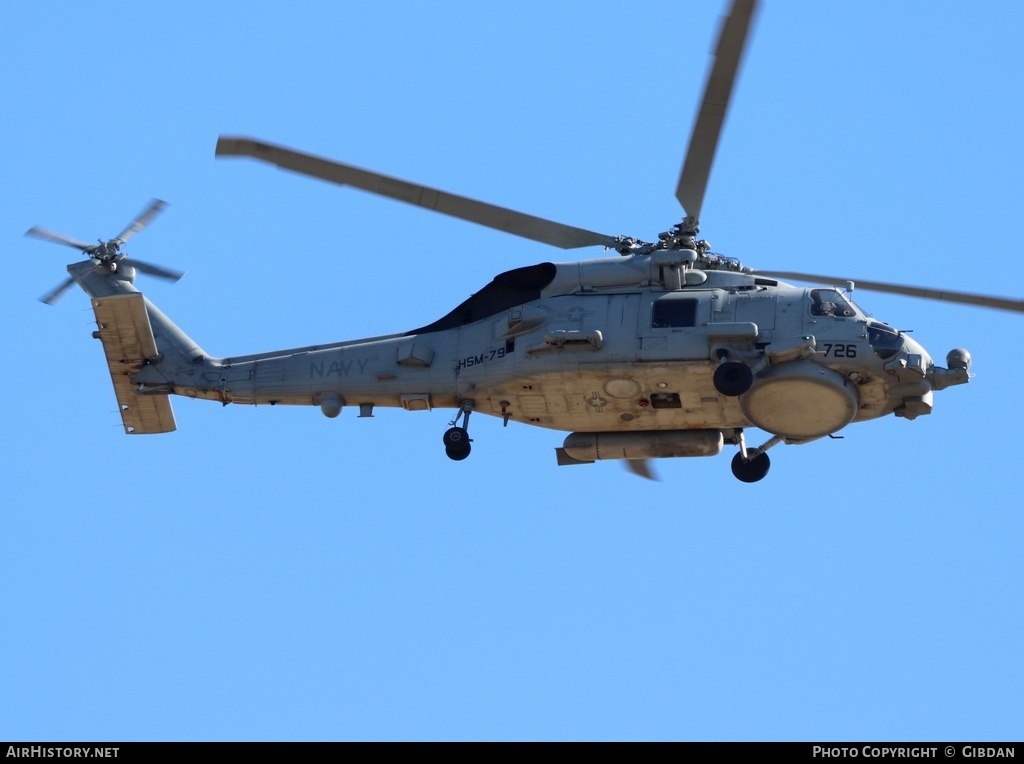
458	454
456	439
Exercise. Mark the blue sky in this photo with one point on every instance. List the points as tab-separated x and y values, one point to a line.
272	574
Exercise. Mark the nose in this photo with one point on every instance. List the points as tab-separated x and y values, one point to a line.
910	390
917	357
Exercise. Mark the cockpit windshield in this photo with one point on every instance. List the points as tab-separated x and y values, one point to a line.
829	302
885	340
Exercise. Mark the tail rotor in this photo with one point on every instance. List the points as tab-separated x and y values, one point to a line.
107	255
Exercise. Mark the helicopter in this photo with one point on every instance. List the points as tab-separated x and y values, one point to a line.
663	349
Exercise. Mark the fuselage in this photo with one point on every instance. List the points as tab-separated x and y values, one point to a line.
603	346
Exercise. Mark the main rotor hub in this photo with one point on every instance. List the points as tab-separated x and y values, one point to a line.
681	236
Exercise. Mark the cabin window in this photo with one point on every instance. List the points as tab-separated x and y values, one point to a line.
674	313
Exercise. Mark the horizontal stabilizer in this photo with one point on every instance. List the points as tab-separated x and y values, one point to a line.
128	343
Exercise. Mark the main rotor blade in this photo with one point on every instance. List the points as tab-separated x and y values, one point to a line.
155	270
492	216
51	297
693	179
142	220
42	233
942	295
641	468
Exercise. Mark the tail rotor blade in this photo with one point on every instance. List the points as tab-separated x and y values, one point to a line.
693	179
51	297
41	233
142	220
106	253
155	270
941	295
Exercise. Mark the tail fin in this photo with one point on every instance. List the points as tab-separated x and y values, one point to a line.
146	352
129	344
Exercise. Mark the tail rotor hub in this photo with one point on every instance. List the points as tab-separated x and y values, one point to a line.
107	253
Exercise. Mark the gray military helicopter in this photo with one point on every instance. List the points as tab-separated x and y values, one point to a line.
664	350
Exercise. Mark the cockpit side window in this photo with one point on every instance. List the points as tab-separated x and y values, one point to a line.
830	303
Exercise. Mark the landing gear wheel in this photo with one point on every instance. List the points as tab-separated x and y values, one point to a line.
458	454
750	471
456	439
733	378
